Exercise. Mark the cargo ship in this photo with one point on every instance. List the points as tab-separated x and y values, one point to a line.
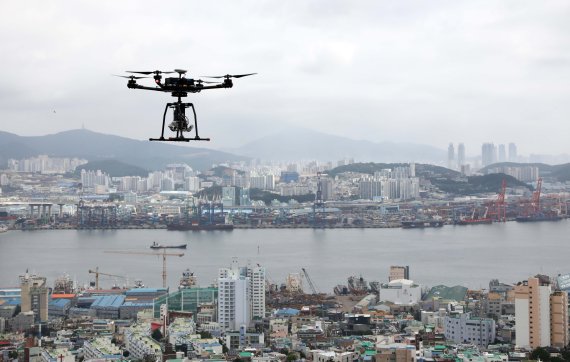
357	285
470	221
538	217
420	224
475	219
199	227
156	245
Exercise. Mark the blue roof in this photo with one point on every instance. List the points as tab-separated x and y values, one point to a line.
108	301
138	304
59	302
287	312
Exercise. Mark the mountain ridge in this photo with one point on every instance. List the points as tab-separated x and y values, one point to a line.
95	146
298	144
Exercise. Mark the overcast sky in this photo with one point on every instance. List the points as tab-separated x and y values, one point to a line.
428	72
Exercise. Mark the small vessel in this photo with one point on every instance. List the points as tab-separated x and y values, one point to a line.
199	227
539	217
156	245
420	224
471	221
357	285
475	219
341	290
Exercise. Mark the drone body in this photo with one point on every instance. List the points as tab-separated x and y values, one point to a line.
179	87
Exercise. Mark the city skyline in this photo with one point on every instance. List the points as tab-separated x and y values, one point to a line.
379	71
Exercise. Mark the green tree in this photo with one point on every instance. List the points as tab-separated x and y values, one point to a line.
156	335
540	353
205	334
292	357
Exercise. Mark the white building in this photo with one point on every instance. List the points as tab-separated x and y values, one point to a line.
233	299
256	276
461	328
241	295
400	291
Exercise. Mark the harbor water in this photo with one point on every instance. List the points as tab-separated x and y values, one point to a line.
450	255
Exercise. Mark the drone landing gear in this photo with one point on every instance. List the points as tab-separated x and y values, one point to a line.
180	124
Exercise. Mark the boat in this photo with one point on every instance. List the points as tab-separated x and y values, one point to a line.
357	285
340	290
199	227
475	220
156	245
470	221
420	224
539	217
6	219
3	228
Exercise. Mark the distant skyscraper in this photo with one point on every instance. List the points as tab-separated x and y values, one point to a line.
513	152
460	155
502	153
451	156
488	154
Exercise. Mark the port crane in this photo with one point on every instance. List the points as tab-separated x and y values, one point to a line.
311	284
97	273
164	254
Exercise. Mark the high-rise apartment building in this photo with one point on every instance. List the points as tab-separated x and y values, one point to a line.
541	315
451	156
488	154
34	296
513	157
256	275
241	295
460	155
502	153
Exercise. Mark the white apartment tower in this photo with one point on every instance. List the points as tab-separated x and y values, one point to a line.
460	155
451	156
256	275
241	295
233	299
502	153
488	154
513	157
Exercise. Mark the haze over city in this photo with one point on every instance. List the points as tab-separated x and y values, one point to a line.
431	73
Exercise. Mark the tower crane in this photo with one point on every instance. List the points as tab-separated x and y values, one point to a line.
97	273
536	196
311	284
164	254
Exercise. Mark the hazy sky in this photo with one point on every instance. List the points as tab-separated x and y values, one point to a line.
408	71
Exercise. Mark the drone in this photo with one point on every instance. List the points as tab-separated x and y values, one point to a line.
179	87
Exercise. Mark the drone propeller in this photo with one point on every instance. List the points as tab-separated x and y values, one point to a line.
129	76
157	72
200	81
228	76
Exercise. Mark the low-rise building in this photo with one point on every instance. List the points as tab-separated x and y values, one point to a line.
101	348
400	291
462	328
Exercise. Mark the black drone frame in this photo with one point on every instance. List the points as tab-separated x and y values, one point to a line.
180	115
180	87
